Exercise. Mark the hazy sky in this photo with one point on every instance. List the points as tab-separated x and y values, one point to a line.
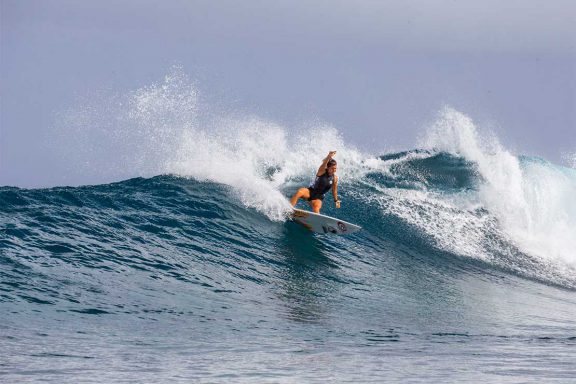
378	71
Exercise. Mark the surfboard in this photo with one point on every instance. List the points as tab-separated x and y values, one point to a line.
323	224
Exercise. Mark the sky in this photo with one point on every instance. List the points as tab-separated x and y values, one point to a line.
377	71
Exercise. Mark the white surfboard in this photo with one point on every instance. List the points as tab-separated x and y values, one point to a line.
323	224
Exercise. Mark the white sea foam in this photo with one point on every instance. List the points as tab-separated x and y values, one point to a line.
532	199
254	156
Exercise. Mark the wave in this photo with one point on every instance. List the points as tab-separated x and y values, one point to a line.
216	217
203	233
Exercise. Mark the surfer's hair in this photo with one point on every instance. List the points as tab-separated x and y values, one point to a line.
331	162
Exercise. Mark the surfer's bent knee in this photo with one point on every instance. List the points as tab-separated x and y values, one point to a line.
302	193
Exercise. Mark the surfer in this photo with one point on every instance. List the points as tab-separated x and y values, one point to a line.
326	179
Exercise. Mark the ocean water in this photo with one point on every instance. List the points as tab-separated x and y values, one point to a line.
465	270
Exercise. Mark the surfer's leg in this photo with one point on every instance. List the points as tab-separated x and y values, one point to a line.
316	205
302	193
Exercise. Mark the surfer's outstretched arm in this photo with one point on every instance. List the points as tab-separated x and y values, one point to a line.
322	169
335	192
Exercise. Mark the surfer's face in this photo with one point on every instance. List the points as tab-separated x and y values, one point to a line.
332	170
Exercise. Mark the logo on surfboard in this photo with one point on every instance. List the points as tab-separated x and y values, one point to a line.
329	229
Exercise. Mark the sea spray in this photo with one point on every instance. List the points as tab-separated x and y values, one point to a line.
569	159
164	128
108	136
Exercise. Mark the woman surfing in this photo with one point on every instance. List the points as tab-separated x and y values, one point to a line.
326	179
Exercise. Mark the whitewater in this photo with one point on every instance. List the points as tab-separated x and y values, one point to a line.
186	267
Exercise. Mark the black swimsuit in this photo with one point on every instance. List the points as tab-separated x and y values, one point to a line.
321	185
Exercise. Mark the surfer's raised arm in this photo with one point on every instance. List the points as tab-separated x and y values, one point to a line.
324	165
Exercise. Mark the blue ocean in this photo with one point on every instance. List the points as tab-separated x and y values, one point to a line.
465	270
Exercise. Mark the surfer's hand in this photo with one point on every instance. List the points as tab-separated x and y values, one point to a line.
331	154
337	202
